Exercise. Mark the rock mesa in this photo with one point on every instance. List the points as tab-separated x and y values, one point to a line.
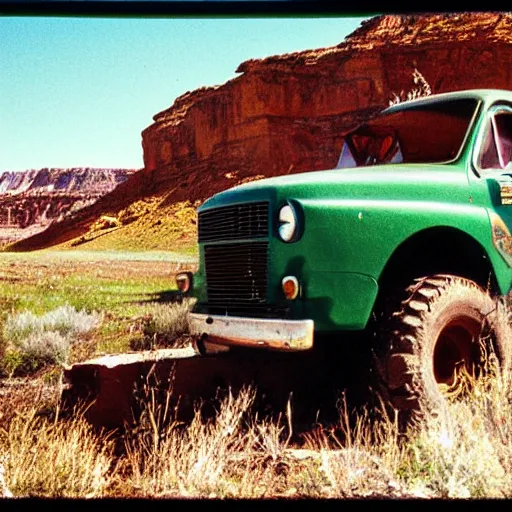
288	113
32	200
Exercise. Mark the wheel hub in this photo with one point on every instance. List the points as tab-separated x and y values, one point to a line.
456	355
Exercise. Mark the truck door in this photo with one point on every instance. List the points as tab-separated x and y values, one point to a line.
494	158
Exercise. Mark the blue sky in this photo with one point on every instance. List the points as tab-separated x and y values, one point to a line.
77	92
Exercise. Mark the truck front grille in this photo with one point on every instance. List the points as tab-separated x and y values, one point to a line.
236	274
237	222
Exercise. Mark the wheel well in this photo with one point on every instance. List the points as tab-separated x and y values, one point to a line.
440	250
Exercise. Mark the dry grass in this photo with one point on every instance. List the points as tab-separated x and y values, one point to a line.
188	462
361	454
233	455
24	396
148	224
162	325
55	459
421	88
44	456
470	454
238	454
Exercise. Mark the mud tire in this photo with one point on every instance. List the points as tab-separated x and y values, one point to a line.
440	321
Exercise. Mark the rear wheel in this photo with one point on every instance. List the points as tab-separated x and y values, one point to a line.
436	341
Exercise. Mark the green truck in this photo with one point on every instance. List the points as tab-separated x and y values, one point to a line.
407	240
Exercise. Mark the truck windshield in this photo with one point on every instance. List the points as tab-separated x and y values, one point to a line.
429	133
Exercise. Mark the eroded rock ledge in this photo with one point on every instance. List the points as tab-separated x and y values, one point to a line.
287	113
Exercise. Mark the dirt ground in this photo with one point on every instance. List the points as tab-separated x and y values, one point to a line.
27	270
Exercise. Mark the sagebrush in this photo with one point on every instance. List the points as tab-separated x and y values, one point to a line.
31	341
163	325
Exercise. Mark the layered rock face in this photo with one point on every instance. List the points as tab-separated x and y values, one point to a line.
31	200
288	113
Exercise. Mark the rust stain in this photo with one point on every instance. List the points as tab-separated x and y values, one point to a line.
506	194
246	342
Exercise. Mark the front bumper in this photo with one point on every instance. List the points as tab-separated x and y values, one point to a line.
274	334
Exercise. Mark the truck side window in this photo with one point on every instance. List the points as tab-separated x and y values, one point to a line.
496	150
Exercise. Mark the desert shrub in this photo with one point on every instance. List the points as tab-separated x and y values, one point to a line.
164	324
32	341
469	453
421	88
47	347
65	320
45	458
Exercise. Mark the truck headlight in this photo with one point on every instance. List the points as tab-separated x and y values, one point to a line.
288	223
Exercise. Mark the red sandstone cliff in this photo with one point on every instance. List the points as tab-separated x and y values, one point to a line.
288	113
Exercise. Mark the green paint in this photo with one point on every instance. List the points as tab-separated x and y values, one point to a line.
353	220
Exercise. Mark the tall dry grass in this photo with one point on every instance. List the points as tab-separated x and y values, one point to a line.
164	325
230	455
237	453
47	458
468	455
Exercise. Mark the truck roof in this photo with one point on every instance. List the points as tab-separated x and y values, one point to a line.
484	95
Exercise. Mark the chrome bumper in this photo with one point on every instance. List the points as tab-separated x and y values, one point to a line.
274	334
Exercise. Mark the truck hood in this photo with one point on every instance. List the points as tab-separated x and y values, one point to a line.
414	182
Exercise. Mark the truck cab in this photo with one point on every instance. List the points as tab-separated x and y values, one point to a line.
409	237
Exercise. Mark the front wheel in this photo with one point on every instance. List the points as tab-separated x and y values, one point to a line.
437	341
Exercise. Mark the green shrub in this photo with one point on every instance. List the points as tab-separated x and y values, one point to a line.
164	324
65	320
31	341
